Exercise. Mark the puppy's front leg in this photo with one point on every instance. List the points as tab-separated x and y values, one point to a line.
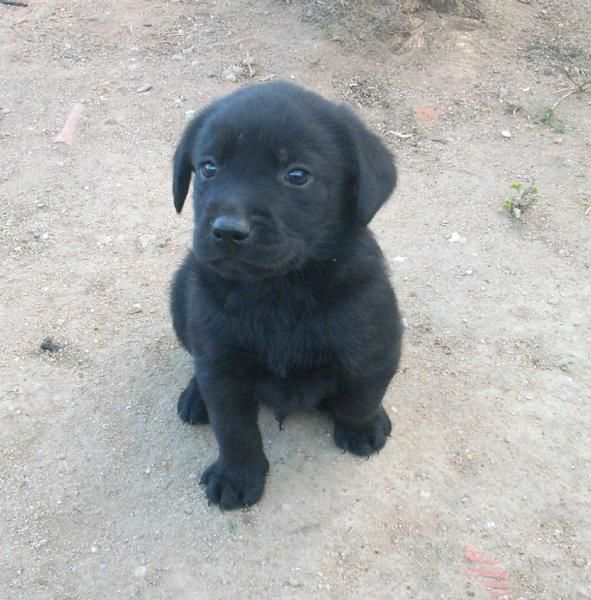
237	478
361	423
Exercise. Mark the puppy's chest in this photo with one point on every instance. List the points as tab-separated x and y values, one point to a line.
277	333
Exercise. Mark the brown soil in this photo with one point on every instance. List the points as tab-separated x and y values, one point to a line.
98	478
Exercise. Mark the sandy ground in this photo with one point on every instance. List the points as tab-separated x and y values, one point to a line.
98	478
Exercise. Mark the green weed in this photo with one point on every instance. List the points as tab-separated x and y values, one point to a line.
524	196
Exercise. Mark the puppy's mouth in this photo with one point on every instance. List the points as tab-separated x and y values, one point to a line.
241	269
264	255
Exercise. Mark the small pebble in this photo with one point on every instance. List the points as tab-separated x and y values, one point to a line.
580	562
141	571
136	308
49	345
145	240
506	134
231	73
583	591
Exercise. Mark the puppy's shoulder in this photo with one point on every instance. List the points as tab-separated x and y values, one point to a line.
363	258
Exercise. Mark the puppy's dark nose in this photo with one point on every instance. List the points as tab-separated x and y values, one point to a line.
230	230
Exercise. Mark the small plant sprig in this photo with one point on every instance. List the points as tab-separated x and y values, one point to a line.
327	31
526	196
549	119
578	85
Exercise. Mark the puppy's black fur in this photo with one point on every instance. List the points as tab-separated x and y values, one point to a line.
284	298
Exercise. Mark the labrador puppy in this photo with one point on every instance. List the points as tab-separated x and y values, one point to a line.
284	298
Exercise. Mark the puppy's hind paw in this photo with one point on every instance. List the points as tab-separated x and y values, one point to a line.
364	440
190	407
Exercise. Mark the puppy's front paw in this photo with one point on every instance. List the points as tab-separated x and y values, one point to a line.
233	486
365	439
190	407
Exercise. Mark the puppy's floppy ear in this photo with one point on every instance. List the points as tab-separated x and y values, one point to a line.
375	174
182	163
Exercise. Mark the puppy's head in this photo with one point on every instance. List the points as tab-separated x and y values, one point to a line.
281	177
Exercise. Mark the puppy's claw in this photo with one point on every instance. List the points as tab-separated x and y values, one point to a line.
363	440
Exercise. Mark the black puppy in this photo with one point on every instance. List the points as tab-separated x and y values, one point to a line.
284	298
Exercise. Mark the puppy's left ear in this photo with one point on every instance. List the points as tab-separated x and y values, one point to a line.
182	163
375	174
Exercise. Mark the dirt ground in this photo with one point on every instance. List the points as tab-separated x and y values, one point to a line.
99	492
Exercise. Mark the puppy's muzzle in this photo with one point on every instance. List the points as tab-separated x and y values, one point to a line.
230	230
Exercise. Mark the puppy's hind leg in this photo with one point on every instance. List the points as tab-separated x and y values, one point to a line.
361	423
190	407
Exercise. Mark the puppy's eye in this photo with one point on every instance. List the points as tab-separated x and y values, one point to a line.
208	169
297	177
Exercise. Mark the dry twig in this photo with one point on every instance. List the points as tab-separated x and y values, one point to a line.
578	87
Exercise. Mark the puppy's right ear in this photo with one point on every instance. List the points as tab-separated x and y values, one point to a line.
182	163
